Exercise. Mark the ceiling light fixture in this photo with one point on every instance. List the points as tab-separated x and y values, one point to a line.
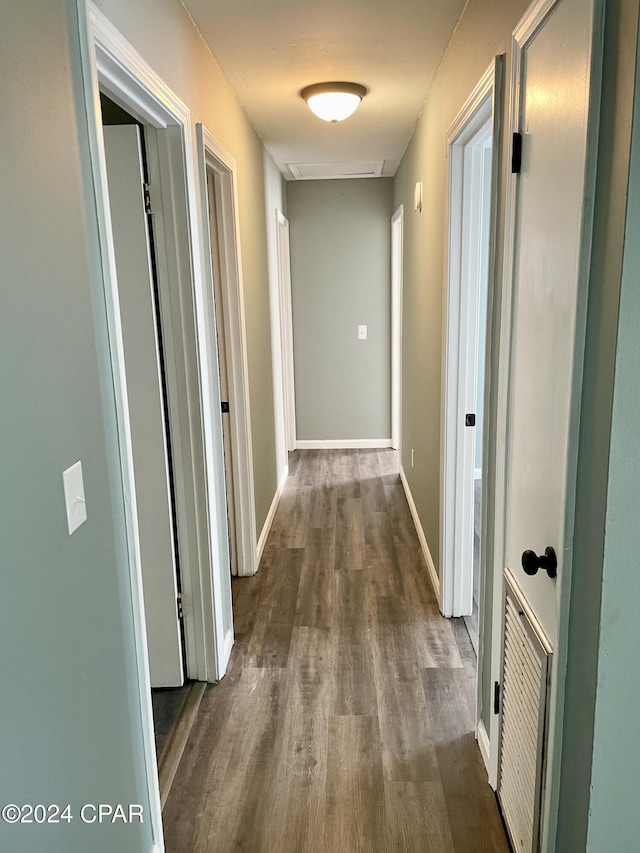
333	101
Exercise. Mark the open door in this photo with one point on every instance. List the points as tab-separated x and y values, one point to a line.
549	220
146	402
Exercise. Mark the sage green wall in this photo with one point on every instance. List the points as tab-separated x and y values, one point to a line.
614	816
483	32
71	730
594	609
163	33
340	271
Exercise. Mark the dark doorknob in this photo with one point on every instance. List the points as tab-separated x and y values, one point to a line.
531	562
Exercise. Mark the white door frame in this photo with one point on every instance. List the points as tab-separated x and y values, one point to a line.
397	253
110	63
212	157
523	35
286	330
460	344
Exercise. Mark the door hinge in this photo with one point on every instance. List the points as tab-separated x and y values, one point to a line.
496	697
147	199
225	408
516	153
470	419
180	606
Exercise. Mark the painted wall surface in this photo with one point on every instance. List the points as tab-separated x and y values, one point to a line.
614	820
483	32
341	271
163	33
71	724
621	30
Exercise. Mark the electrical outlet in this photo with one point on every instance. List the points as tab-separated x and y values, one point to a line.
362	333
412	458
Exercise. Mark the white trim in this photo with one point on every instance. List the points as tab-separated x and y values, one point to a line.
211	155
342	443
524	33
426	553
483	742
286	330
120	71
397	262
457	445
262	541
477	473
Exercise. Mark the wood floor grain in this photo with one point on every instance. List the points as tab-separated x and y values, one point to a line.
345	721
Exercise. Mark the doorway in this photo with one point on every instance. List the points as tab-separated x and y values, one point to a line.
125	144
134	224
472	140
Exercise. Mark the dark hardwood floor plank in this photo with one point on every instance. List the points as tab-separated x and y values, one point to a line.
355	819
408	749
271	634
322	512
371	482
473	815
355	688
349	535
315	604
417	818
381	560
292	516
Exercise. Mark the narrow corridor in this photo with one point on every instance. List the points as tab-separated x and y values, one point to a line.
345	722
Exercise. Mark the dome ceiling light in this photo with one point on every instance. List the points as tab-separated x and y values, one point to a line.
333	101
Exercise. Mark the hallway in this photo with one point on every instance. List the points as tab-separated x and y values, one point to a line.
345	721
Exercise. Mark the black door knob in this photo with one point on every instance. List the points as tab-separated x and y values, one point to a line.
531	562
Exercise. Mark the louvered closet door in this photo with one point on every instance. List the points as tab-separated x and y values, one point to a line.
526	663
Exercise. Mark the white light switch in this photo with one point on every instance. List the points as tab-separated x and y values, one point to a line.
362	333
74	496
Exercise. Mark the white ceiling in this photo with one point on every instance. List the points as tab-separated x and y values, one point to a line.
270	49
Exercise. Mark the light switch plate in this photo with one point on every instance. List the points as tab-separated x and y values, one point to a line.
74	497
362	333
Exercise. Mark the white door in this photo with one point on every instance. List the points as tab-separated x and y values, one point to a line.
146	403
228	409
551	231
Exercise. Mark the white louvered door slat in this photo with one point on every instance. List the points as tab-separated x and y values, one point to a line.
525	667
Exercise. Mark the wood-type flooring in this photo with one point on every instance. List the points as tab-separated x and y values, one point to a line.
345	721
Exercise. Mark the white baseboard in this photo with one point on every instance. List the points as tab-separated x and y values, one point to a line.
431	566
262	541
342	443
484	743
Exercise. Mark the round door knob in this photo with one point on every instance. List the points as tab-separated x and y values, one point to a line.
548	561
